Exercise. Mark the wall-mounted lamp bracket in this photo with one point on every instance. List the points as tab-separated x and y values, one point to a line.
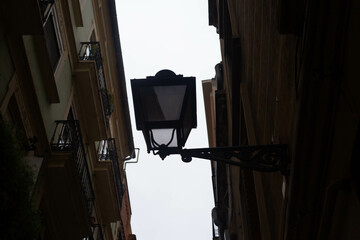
263	158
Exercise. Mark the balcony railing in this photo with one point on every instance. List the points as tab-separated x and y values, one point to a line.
67	138
96	233
215	232
107	151
99	235
90	51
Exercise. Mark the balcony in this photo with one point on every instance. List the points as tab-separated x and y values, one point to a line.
70	195
90	51
108	185
216	232
92	92
67	137
107	151
97	232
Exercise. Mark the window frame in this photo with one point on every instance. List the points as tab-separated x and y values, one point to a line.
52	13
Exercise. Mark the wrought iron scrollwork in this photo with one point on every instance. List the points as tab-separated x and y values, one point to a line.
264	158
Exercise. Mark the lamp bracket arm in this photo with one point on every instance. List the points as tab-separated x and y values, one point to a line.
264	158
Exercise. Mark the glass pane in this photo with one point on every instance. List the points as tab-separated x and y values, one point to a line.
163	136
171	99
52	42
163	103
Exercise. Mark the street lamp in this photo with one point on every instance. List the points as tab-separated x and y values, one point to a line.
165	111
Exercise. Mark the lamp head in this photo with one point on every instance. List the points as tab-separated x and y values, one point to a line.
165	109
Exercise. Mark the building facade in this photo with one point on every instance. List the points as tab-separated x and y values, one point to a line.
63	87
288	75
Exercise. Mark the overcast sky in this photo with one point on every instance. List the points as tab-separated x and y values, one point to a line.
169	199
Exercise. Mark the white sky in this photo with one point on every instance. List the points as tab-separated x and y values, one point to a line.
169	199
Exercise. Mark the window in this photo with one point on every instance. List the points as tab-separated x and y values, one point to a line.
53	38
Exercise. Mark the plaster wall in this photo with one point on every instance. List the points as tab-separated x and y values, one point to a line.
82	34
63	77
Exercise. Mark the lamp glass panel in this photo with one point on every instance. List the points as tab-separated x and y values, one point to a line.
163	136
171	99
163	103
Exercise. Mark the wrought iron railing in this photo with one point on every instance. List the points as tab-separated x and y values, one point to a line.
215	231
45	6
107	151
90	51
97	233
67	137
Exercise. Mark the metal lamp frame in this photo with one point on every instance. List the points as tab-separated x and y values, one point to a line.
263	158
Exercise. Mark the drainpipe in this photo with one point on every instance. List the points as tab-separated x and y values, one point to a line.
132	156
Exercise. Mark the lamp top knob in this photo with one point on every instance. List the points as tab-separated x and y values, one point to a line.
165	74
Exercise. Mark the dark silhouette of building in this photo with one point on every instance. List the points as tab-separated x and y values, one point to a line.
288	75
63	88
